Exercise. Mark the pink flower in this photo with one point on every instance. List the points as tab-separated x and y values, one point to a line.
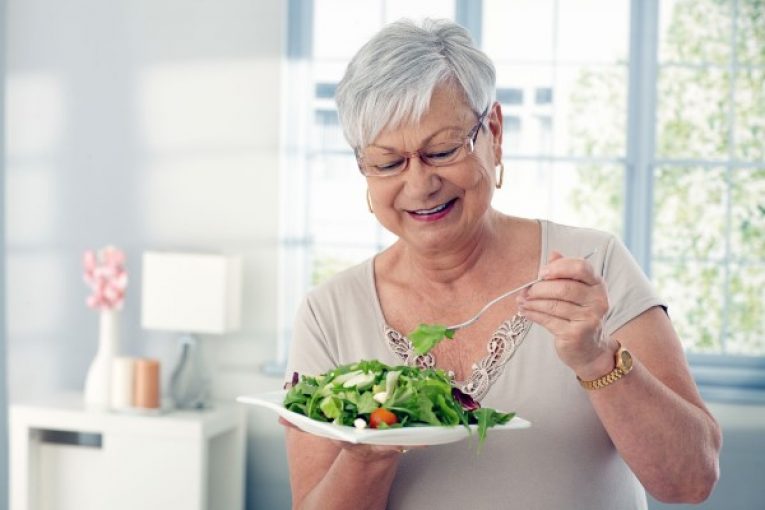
105	274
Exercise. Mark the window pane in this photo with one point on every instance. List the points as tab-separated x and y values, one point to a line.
530	128
397	9
571	110
327	135
748	215
341	27
579	20
518	30
750	114
329	260
694	294
582	194
746	323
750	28
511	134
689	213
692	113
591	111
338	207
695	31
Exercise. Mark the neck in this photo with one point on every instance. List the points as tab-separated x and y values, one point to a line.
447	266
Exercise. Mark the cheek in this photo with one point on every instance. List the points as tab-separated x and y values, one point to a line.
479	175
384	197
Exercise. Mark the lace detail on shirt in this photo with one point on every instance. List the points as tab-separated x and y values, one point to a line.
501	348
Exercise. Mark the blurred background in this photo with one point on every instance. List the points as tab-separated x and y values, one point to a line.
210	126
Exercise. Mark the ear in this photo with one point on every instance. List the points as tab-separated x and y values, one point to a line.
495	128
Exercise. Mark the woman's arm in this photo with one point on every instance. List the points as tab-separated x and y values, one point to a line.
329	474
654	415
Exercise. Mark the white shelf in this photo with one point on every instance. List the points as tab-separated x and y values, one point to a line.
64	456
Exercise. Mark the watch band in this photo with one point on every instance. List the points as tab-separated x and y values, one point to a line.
623	366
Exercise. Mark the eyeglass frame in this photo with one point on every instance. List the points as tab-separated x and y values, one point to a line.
470	139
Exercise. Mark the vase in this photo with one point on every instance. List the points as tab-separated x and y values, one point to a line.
99	378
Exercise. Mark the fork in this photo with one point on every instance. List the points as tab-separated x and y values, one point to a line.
501	297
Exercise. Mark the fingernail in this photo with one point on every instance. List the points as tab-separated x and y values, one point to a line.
544	272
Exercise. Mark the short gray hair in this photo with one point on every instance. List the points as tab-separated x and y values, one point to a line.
391	79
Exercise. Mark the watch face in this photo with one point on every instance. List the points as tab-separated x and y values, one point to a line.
626	360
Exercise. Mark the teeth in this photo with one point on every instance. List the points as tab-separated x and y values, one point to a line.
436	209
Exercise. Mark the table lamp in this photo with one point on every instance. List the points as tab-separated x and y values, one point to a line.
191	294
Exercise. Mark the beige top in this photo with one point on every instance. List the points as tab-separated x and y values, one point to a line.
565	460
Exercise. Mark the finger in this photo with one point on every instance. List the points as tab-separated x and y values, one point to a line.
371	452
549	322
287	424
555	308
565	290
573	269
553	256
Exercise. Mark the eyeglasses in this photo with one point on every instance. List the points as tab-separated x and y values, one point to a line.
444	153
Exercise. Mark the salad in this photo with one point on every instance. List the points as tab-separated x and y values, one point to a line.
373	394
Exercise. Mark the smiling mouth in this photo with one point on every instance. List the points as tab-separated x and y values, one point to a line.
435	210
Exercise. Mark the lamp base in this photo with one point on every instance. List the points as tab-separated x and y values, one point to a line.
189	386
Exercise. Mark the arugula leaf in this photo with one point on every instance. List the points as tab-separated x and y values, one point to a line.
426	336
486	418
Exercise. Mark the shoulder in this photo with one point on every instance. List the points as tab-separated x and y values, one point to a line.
611	259
574	241
352	284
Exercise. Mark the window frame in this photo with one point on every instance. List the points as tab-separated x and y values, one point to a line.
719	377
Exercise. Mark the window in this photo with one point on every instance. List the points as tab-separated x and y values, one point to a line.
709	208
510	96
667	151
543	95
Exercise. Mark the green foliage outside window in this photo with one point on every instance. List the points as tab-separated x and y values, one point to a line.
709	219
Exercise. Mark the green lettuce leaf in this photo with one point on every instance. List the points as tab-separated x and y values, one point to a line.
426	336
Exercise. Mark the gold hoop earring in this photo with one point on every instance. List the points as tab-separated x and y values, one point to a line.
501	177
369	202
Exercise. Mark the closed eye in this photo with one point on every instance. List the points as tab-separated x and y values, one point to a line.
389	165
442	153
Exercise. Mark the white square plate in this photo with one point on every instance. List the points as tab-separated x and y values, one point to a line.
404	436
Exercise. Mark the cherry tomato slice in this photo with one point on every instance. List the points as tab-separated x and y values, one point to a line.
381	415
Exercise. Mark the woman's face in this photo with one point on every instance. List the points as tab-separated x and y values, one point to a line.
435	208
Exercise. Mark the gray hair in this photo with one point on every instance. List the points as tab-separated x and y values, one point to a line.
391	79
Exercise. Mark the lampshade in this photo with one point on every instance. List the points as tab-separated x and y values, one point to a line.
188	292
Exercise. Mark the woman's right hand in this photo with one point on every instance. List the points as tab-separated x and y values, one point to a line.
362	452
326	473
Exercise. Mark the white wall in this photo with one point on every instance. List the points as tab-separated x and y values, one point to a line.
146	124
3	365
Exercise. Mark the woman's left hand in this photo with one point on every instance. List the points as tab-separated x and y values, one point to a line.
571	303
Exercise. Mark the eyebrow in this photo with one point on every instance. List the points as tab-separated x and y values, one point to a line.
424	143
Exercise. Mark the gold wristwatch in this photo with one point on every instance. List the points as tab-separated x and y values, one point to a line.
622	368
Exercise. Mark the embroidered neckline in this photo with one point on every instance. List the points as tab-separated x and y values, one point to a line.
501	347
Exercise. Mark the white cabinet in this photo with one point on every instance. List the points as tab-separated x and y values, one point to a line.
64	457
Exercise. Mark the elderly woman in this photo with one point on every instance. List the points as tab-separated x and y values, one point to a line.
417	104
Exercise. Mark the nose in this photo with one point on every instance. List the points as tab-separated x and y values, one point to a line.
421	179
